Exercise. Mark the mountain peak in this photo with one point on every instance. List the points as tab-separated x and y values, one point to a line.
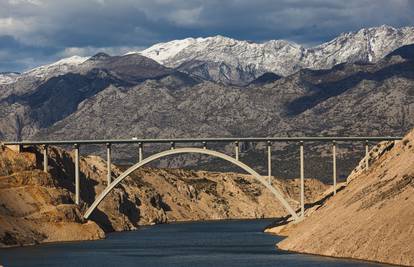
73	60
100	56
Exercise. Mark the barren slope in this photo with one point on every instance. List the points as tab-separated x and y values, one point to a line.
372	218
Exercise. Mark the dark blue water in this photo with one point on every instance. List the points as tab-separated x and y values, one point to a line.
212	244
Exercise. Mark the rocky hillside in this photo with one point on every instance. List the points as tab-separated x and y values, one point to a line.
34	207
38	207
371	218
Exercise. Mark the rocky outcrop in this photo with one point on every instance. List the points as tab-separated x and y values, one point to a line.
34	208
39	207
371	218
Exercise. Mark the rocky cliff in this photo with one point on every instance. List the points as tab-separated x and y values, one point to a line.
39	207
34	207
371	218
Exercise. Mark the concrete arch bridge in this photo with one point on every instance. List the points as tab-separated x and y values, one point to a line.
234	159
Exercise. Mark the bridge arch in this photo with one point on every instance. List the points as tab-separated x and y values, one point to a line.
213	153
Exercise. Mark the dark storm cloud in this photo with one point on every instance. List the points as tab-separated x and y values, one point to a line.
34	32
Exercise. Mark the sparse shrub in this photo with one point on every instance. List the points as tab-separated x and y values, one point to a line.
405	142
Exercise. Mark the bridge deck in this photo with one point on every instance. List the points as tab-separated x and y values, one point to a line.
201	140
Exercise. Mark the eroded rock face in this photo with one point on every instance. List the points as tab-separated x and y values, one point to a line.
34	208
372	217
39	207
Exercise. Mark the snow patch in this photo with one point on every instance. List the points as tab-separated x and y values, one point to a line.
7	78
60	67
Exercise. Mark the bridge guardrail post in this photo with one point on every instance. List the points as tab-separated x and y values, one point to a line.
236	146
140	152
269	161
108	164
45	159
366	155
77	187
302	181
334	166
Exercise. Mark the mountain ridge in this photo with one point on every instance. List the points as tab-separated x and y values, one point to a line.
239	62
231	61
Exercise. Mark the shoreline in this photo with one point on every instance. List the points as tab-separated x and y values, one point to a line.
211	221
333	257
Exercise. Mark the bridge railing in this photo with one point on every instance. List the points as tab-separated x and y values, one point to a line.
204	142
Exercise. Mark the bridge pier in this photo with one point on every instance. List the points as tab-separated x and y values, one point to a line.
269	161
77	187
236	144
108	163
302	181
45	159
366	155
334	166
140	152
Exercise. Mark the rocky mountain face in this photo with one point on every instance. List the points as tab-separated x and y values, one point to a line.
37	207
371	218
26	106
130	68
230	61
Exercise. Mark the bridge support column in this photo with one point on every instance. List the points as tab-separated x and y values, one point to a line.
302	181
108	164
269	161
366	155
45	159
77	188
140	152
334	166
236	144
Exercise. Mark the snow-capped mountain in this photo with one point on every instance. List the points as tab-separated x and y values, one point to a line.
57	68
60	67
232	61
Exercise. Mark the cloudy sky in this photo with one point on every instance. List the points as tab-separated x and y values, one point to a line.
35	32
